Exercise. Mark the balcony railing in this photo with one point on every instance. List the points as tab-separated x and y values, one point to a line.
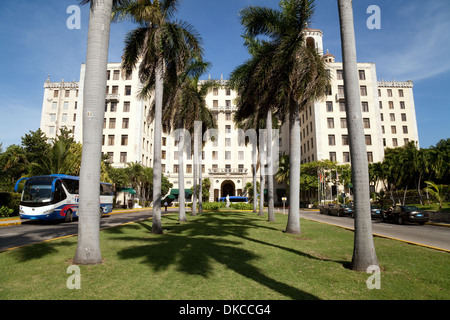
340	97
112	96
235	171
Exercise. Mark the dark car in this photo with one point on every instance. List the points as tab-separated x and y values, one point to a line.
335	209
375	212
403	214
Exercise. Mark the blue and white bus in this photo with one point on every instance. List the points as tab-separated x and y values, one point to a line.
234	199
55	196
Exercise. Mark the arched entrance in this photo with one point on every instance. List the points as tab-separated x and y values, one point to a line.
227	188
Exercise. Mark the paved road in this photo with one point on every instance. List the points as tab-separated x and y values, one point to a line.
428	235
33	232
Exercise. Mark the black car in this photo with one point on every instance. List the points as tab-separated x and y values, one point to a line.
403	214
335	209
376	212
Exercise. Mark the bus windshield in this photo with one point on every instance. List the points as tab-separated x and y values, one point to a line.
38	190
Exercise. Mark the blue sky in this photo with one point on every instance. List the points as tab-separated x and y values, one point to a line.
413	43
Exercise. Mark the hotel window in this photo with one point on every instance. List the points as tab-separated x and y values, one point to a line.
104	123
110	156
67	94
55	93
112	123
113	107
240	155
330	122
389	92
125	123
333	156
363	90
228	116
128	90
403	115
227	104
362	75
241	167
405	129
392	116
214	155
110	140
228	92
346	156
227	129
331	140
215	91
64	117
227	142
123	157
391	104
163	166
329	91
342	106
339	74
175	168
366	123
381	105
227	155
215	103
345	140
382	117
52	117
116	74
129	76
115	89
341	90
365	106
394	142
343	123
402	104
384	142
51	130
400	92
66	105
74	117
382	129
370	157
406	140
124	140
393	129
164	141
368	139
126	106
329	106
189	168
379	92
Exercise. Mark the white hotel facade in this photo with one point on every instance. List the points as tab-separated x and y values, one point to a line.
388	111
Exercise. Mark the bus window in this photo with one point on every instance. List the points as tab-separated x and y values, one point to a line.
59	193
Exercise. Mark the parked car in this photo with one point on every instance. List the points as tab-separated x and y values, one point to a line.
376	212
402	214
335	209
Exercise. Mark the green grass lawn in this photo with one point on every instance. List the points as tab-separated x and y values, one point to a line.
224	255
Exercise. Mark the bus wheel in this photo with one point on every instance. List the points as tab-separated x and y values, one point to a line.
69	216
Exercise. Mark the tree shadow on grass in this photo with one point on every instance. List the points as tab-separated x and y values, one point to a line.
194	247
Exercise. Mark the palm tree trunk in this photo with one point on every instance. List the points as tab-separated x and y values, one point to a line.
195	164
271	216
364	250
181	192
255	189
159	91
261	174
293	223
88	246
200	182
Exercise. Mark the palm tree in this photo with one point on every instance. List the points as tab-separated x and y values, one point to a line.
294	76
161	48
364	250
439	191
88	246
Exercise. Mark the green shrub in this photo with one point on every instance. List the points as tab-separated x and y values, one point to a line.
242	206
5	212
10	200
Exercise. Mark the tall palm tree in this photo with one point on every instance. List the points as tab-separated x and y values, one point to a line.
161	48
88	246
364	250
295	76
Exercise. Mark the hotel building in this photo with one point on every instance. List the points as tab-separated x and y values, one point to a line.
388	111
